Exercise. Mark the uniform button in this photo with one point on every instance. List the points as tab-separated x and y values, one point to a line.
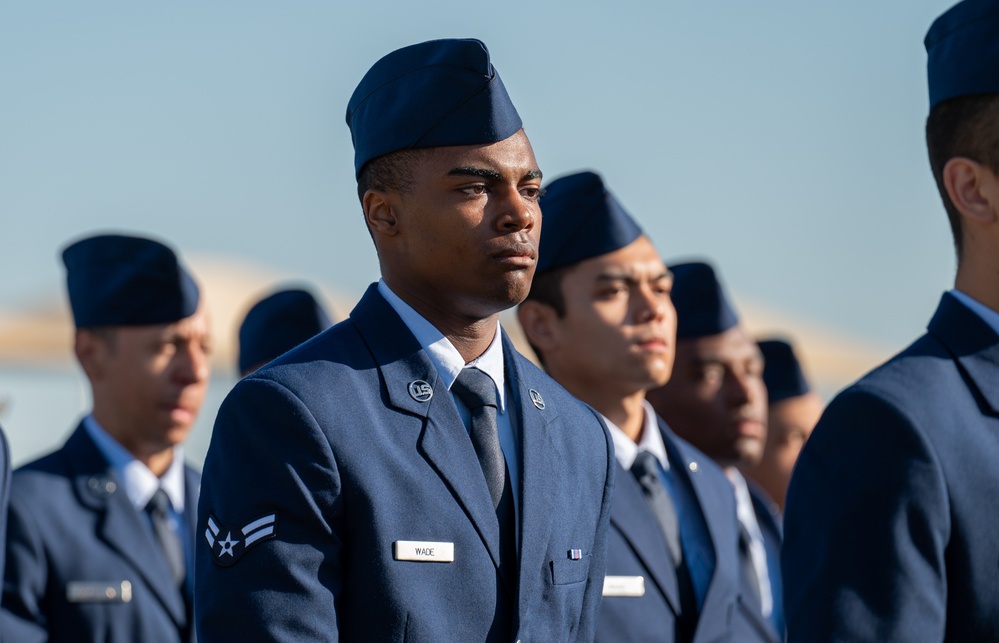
693	467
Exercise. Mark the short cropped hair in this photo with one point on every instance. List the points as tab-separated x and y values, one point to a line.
392	171
966	126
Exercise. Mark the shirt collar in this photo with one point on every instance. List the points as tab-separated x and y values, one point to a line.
988	315
626	450
140	483
743	502
442	353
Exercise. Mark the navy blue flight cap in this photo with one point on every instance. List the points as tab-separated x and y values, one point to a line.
432	94
278	323
119	280
963	51
582	219
781	371
702	308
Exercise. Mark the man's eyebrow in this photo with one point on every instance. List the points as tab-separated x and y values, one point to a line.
623	276
480	172
615	276
532	175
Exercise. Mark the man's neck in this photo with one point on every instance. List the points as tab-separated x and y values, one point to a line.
978	268
156	457
627	413
470	334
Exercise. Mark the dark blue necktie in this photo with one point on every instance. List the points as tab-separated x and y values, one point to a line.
477	392
646	471
173	550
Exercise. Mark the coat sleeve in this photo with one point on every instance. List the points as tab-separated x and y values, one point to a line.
865	529
23	617
598	562
268	456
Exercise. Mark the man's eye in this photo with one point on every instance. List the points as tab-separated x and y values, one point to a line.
611	291
711	375
533	193
475	190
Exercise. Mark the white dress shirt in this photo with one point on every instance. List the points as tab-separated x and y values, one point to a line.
449	362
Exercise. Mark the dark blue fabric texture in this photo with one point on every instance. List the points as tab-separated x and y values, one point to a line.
433	94
120	280
70	521
582	219
893	509
333	438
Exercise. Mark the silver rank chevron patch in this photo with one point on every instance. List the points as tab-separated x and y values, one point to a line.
230	543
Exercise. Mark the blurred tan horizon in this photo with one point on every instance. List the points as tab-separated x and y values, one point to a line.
39	335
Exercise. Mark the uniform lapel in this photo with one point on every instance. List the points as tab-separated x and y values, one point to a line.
539	466
120	525
444	440
974	346
630	514
717	524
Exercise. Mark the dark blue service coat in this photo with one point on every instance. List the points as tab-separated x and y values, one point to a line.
891	530
349	445
82	563
636	547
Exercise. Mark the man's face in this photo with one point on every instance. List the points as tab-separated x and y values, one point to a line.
619	327
150	381
791	422
465	236
716	398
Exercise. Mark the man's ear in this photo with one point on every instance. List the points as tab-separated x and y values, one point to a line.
972	188
91	351
380	212
540	324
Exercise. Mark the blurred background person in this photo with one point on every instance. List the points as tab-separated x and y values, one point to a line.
276	324
599	317
794	409
717	401
100	535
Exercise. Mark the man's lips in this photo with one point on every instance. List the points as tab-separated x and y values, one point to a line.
653	343
749	427
520	254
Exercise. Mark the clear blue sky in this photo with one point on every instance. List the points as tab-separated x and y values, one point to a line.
782	139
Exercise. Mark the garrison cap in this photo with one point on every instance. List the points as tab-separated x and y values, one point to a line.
962	49
781	371
278	323
120	280
432	94
582	220
702	308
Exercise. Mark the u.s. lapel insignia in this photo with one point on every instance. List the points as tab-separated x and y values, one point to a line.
230	543
537	399
420	391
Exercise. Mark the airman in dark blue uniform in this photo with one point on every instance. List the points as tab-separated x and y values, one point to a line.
101	532
406	474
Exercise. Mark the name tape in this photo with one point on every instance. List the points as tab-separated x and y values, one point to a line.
420	551
633	586
99	592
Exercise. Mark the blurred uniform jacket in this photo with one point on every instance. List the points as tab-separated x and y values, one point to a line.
340	448
636	547
891	530
82	563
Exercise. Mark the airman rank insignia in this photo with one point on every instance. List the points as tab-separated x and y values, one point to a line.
230	543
